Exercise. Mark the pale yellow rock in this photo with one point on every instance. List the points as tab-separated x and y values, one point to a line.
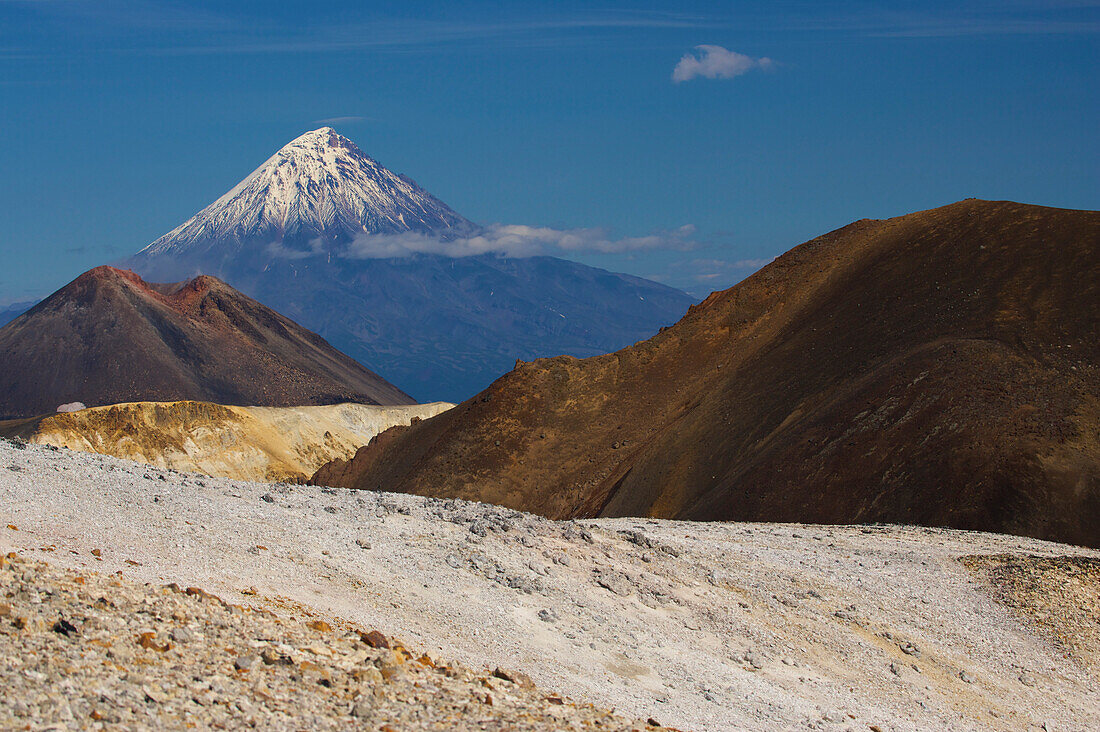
246	443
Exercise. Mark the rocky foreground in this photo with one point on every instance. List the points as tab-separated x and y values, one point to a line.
96	651
697	626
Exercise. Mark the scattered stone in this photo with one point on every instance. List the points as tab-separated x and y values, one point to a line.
615	582
516	677
638	538
375	639
753	660
181	635
363	708
267	498
148	641
64	627
909	649
154	695
244	663
319	625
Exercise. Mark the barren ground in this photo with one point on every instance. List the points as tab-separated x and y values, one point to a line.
701	626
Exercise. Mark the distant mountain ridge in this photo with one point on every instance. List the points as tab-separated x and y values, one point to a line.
439	327
10	312
940	368
109	337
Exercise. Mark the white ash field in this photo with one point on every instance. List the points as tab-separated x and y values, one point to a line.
698	626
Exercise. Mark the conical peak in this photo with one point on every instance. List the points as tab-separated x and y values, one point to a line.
319	186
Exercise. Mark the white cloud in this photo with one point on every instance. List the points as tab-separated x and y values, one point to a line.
340	120
751	263
715	62
722	264
276	249
514	240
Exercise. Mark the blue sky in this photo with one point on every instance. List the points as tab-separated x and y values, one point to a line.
122	119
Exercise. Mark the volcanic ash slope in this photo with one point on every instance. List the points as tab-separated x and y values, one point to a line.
246	443
702	626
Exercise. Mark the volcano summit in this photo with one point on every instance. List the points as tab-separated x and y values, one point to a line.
319	188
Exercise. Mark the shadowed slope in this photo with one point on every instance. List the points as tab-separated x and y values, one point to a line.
108	337
937	368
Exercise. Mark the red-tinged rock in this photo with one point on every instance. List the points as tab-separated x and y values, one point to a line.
149	642
319	625
519	679
375	639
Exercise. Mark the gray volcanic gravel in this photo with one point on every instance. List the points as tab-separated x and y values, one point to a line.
698	626
98	651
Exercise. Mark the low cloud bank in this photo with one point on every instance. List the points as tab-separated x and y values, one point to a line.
514	240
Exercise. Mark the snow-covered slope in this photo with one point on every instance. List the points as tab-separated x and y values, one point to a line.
318	186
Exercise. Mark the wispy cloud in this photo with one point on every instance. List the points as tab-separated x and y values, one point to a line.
706	270
277	249
512	240
976	18
158	27
716	62
340	120
166	28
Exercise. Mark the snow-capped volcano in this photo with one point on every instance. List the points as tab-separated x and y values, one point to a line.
441	328
318	186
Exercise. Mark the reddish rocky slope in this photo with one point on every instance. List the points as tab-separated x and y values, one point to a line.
108	337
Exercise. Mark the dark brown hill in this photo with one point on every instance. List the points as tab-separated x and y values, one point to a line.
109	337
938	368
